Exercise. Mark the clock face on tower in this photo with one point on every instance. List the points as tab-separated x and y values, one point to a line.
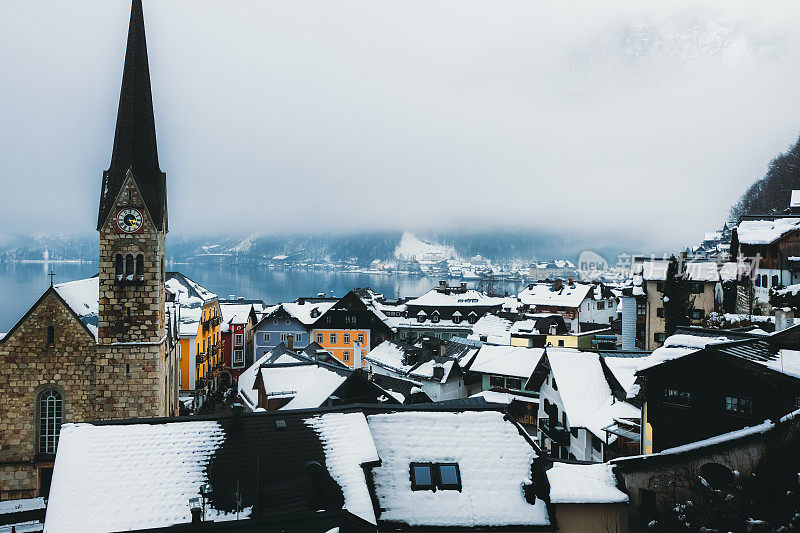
129	220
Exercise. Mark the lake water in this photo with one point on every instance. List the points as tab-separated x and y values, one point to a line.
21	284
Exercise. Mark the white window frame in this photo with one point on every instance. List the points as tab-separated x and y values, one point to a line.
320	338
238	357
360	338
346	338
346	356
238	339
267	337
298	338
285	337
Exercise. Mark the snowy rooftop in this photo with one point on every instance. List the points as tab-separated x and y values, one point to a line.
492	486
495	329
544	294
507	360
187	293
235	313
503	397
470	298
708	271
578	483
765	231
138	475
307	384
82	296
302	311
390	355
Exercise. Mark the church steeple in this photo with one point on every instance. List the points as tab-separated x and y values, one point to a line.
135	134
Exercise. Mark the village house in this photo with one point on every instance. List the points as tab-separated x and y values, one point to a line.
236	331
580	398
754	379
199	330
352	326
775	241
285	379
577	302
445	312
551	270
362	468
104	347
437	366
643	322
289	323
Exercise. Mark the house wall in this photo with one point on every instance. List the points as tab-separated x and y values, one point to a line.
664	479
589	517
580	446
274	328
339	347
29	366
582	342
705	416
590	311
655	300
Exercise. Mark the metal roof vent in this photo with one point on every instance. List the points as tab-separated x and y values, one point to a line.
280	424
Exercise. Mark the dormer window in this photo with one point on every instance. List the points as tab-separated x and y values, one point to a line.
472	317
457	317
435	316
435	476
421	316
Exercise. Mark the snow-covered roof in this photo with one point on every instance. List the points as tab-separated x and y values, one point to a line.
765	231
187	293
507	360
495	329
82	296
132	476
708	271
302	311
348	444
503	397
235	313
390	355
581	483
470	298
307	384
21	506
544	294
581	383
491	488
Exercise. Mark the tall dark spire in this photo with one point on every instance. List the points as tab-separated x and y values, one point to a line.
135	134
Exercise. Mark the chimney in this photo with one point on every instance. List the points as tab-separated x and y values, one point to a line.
442	284
784	318
236	410
464	286
231	297
357	355
438	372
571	281
442	349
557	284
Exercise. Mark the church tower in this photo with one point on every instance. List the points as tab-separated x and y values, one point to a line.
132	373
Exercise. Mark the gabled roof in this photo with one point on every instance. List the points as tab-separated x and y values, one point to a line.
188	293
135	134
236	313
428	355
765	231
546	294
78	301
513	361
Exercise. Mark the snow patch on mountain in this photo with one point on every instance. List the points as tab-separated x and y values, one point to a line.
413	248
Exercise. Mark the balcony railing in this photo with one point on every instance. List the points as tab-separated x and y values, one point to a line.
554	430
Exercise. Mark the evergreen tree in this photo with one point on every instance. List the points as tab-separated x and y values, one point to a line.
678	299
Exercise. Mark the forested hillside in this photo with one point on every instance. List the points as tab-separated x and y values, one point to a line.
770	194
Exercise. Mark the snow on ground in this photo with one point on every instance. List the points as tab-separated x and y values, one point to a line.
348	444
575	483
123	477
494	461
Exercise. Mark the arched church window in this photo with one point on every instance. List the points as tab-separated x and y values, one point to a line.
51	412
119	267
51	335
129	267
140	266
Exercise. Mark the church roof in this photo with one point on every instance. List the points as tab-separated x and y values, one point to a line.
135	134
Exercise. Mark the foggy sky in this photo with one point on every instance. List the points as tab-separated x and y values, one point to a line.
342	115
